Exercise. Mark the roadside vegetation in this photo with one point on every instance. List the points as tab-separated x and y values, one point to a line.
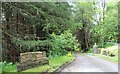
59	29
54	63
112	59
112	55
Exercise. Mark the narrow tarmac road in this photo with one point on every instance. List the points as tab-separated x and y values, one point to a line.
89	63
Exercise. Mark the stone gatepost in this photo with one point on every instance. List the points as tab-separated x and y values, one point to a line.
95	49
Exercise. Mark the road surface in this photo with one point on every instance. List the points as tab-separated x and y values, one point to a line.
89	63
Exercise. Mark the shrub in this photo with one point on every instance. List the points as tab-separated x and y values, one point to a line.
63	43
70	54
105	45
90	50
108	45
7	67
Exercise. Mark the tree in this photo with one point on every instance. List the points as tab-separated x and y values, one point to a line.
83	18
40	19
106	29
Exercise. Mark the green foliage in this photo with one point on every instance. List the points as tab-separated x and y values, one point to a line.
113	53
31	45
108	45
56	45
90	50
7	67
105	45
112	59
53	16
83	19
70	54
38	69
59	44
107	30
84	13
54	63
111	22
63	43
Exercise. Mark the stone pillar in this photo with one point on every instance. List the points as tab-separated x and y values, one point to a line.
95	48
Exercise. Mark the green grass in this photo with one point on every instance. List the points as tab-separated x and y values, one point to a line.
112	51
112	59
54	63
7	67
106	45
58	61
38	69
0	69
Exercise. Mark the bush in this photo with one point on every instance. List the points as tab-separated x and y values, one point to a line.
113	53
7	67
63	43
70	54
108	45
90	50
105	45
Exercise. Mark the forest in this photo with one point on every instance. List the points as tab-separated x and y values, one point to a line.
58	28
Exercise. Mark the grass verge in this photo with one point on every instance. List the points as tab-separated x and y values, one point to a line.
7	67
54	63
112	59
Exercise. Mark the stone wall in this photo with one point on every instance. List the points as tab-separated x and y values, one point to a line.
104	51
31	59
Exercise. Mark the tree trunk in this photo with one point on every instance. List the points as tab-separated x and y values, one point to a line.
80	35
